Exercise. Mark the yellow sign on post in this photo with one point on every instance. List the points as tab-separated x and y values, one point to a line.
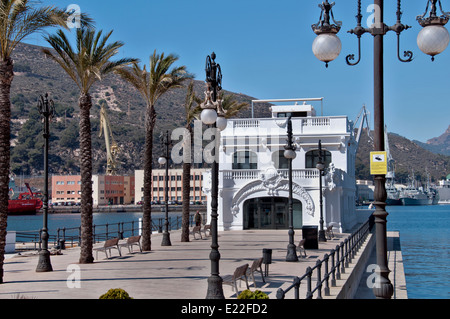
378	163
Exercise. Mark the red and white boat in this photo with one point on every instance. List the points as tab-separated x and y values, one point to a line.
26	204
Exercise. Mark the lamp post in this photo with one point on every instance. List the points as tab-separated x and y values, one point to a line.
432	40
320	166
165	160
289	153
46	109
213	115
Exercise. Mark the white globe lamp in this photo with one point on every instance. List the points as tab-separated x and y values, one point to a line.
221	123
208	116
327	47
162	160
433	40
290	154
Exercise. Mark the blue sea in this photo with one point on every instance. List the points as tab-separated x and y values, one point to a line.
425	244
424	237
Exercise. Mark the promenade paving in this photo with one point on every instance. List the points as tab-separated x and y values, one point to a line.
179	271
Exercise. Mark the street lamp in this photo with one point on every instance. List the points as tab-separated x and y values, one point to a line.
213	115
290	154
432	40
320	166
165	160
47	110
326	46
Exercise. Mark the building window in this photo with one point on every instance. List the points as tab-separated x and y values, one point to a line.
292	114
245	160
279	160
312	158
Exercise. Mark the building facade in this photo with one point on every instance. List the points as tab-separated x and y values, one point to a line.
253	172
175	185
66	188
106	189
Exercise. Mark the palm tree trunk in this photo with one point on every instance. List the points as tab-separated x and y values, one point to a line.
187	145
6	77
86	255
150	121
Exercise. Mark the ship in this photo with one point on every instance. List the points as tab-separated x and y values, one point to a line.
412	195
432	192
27	203
393	194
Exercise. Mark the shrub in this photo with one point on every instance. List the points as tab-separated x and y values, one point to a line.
116	293
257	294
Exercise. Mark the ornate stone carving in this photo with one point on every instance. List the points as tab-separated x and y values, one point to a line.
273	184
333	177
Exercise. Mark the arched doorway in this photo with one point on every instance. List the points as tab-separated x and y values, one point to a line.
270	213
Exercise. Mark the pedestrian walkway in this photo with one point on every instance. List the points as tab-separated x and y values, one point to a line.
179	271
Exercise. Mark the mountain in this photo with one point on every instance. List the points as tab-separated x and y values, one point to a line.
408	156
438	145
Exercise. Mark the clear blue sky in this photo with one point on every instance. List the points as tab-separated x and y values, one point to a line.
264	49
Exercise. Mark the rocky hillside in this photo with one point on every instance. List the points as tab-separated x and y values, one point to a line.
408	156
438	145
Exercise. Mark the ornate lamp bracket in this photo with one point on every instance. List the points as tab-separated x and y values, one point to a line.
433	18
324	25
379	30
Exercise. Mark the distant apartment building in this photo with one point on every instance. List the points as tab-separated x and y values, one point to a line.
112	190
175	187
106	189
66	188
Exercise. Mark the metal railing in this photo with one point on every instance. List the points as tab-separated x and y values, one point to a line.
340	258
72	235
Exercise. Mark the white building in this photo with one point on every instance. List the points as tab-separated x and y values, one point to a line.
175	184
253	174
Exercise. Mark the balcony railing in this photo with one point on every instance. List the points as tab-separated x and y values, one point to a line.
301	125
253	174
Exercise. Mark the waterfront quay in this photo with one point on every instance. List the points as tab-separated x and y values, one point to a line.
180	271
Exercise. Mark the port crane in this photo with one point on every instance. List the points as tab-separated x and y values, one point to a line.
111	146
365	119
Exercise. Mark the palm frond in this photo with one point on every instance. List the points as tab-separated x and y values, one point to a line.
231	106
91	61
19	19
159	78
192	103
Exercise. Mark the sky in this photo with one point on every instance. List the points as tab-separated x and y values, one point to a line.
264	49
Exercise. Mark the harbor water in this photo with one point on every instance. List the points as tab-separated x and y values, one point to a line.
424	236
425	241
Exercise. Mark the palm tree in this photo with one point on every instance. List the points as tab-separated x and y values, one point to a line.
18	19
231	106
89	64
151	85
192	110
